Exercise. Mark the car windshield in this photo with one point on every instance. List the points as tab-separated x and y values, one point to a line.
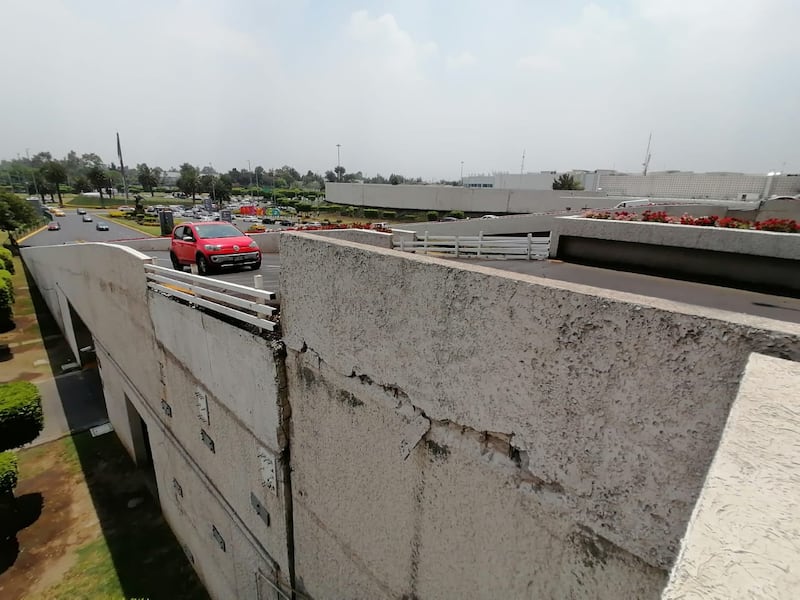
217	230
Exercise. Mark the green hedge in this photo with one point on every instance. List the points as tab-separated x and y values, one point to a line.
371	213
7	260
8	280
21	417
432	215
9	472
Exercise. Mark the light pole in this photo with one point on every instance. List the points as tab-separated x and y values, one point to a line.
339	162
462	173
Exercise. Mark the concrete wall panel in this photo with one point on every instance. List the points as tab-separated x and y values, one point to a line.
616	400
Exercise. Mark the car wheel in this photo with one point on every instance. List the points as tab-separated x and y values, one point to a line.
255	266
175	262
203	267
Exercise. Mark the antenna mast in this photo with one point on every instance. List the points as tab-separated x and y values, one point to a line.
647	155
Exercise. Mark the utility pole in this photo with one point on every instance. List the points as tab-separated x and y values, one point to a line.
338	162
122	168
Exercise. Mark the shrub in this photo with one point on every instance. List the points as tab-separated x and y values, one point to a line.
371	213
21	417
780	225
7	279
659	216
7	259
6	313
432	215
389	214
9	472
734	223
456	214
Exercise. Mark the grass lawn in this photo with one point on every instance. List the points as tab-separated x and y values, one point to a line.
154	230
85	542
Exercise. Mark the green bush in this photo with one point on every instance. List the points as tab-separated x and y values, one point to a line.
389	214
6	313
21	417
371	213
7	259
458	214
432	215
7	279
9	472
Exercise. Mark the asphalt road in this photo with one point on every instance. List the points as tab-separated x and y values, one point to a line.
73	229
723	298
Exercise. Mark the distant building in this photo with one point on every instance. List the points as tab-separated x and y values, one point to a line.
665	184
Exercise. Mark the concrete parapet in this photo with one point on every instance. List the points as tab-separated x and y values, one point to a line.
742	540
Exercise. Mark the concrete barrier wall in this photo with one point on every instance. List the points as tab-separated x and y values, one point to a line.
719	239
749	258
599	411
742	539
149	244
447	198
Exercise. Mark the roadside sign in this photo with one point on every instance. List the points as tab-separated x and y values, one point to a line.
275	212
166	221
225	215
207	204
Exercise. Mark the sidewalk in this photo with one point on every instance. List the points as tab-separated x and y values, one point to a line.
72	402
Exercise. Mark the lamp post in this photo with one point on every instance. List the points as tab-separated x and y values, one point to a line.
339	162
462	173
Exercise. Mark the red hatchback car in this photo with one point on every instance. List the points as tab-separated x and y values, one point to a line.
212	246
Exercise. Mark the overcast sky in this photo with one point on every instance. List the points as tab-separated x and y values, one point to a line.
408	86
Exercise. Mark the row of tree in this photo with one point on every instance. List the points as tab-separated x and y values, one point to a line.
42	174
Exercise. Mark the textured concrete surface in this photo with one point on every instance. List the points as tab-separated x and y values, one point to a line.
719	239
743	540
449	514
615	401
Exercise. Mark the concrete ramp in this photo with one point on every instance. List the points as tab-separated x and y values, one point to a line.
743	540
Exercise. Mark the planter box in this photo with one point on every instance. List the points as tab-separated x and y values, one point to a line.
760	260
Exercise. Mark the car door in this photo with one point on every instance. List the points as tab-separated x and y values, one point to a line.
178	244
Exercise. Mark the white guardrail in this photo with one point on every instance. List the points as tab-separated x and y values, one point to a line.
233	300
531	248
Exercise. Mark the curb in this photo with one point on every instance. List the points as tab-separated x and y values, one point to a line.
139	231
32	233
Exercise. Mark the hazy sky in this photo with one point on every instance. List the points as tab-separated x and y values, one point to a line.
408	86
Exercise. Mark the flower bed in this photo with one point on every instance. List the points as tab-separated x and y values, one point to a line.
648	216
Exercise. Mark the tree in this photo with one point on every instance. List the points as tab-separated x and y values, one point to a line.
339	172
81	184
396	179
55	173
16	213
566	182
189	181
147	178
330	176
97	177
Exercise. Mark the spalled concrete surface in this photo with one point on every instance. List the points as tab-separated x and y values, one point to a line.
614	400
388	504
743	540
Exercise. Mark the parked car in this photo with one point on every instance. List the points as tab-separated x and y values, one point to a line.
54	226
87	218
448	219
212	246
101	226
490	217
81	211
57	212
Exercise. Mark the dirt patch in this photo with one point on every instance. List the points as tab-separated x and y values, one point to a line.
47	547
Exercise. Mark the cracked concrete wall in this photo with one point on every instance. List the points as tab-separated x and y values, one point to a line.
612	405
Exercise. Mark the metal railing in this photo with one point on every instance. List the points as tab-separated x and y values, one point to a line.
246	304
530	248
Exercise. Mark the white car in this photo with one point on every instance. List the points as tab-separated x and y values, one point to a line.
490	217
